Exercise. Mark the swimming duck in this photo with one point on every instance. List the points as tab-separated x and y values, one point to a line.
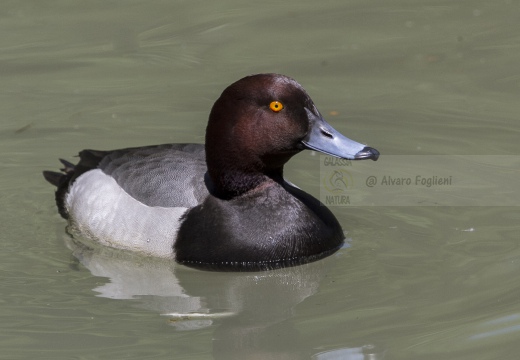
224	205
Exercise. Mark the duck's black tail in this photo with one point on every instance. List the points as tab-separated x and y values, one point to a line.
56	178
61	181
53	177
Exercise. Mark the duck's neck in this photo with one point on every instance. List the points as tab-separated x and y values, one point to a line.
229	181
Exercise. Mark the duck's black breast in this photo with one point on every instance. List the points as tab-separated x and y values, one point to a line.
277	226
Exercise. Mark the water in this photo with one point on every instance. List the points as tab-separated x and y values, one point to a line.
409	78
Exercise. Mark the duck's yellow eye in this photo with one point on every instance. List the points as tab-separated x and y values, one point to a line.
276	106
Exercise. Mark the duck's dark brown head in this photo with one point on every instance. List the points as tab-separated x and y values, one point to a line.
258	124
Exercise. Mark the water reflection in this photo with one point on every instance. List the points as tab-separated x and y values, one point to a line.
250	312
367	352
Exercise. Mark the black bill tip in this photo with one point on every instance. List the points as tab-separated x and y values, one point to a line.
367	153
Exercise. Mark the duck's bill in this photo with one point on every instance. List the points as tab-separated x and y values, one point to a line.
324	138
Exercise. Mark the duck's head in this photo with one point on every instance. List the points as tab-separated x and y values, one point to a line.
259	123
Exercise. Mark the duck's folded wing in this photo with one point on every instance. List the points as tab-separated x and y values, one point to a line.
169	175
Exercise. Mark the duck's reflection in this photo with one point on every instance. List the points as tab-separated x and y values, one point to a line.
251	311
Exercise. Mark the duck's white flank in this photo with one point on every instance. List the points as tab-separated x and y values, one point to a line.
102	211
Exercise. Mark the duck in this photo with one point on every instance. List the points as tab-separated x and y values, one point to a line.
223	205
